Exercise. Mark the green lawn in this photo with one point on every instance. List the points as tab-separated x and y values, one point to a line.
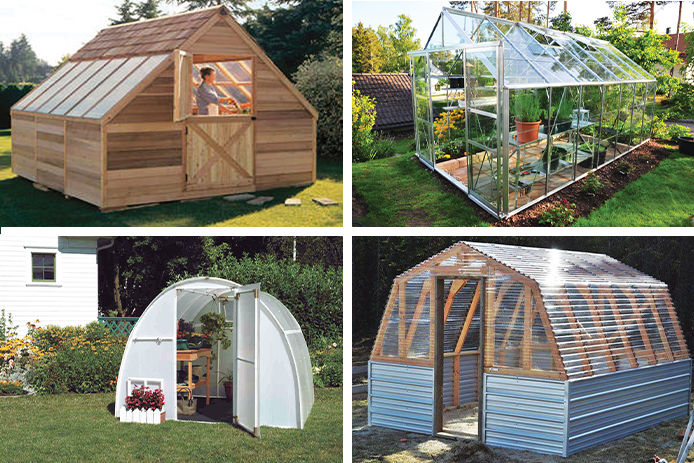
24	205
81	427
400	192
664	197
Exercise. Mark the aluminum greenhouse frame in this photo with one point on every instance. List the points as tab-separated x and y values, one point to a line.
578	349
273	379
597	105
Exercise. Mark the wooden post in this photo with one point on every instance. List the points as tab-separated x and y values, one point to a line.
529	10
438	355
401	319
565	6
520	11
526	342
496	9
547	18
489	315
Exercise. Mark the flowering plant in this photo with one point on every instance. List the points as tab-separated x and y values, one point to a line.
143	398
185	329
451	124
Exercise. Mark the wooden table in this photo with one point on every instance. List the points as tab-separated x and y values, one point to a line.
189	356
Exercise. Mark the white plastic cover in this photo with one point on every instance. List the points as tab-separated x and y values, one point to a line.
285	387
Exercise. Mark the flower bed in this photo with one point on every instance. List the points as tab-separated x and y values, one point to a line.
143	406
11	388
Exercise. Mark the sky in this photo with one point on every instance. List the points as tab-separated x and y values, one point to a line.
58	27
424	13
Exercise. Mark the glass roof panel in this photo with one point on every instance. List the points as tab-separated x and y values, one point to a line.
551	56
45	85
121	82
106	69
73	73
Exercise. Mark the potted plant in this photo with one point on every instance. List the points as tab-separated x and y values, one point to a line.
215	327
527	112
184	331
143	406
552	158
228	381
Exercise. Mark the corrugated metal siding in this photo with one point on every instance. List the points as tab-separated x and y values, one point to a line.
401	396
611	406
467	389
525	413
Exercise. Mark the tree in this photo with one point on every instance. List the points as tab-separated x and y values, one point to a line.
603	23
19	63
297	30
148	9
562	22
126	13
366	50
236	6
396	40
638	14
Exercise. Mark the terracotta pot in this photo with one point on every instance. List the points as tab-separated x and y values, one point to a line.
527	131
229	390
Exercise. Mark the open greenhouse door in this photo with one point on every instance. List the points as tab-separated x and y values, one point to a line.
246	346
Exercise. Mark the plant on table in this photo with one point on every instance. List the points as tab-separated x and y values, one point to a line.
527	112
560	214
215	326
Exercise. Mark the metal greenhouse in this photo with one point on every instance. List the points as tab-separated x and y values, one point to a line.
267	356
541	108
540	349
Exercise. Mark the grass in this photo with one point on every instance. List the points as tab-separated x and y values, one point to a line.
663	197
399	192
81	427
24	205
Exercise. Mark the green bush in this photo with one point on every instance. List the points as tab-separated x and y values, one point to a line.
592	184
667	83
9	95
312	293
320	81
75	359
676	131
326	359
681	105
11	388
363	120
382	147
560	214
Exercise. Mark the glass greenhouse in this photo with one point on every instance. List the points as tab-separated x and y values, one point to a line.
511	112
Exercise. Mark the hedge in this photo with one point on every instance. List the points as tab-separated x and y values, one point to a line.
9	95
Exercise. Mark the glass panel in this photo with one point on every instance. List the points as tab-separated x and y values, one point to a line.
592	150
559	158
484	178
624	118
650	108
73	73
448	104
421	108
117	86
53	79
107	67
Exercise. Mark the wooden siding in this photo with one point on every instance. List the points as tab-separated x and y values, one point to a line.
50	152
24	146
133	150
220	40
285	153
83	161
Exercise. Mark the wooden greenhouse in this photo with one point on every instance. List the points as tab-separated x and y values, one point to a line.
558	350
117	125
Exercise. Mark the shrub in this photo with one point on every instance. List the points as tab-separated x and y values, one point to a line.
326	359
624	167
676	131
592	184
667	83
382	147
312	293
681	105
659	128
561	213
75	359
9	95
320	81
363	120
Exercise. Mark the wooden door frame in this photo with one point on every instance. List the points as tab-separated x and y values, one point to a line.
439	302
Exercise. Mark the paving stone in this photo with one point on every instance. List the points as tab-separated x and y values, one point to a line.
292	202
260	200
241	197
325	201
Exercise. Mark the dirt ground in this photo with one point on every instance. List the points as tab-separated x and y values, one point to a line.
375	444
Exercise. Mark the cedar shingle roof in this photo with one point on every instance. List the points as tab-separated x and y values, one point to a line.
393	95
153	36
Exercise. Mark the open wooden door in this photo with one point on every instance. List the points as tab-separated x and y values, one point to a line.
245	338
219	152
183	85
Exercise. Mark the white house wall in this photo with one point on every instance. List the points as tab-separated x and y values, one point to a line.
71	300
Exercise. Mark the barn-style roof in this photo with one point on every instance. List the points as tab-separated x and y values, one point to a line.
158	35
547	310
120	59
